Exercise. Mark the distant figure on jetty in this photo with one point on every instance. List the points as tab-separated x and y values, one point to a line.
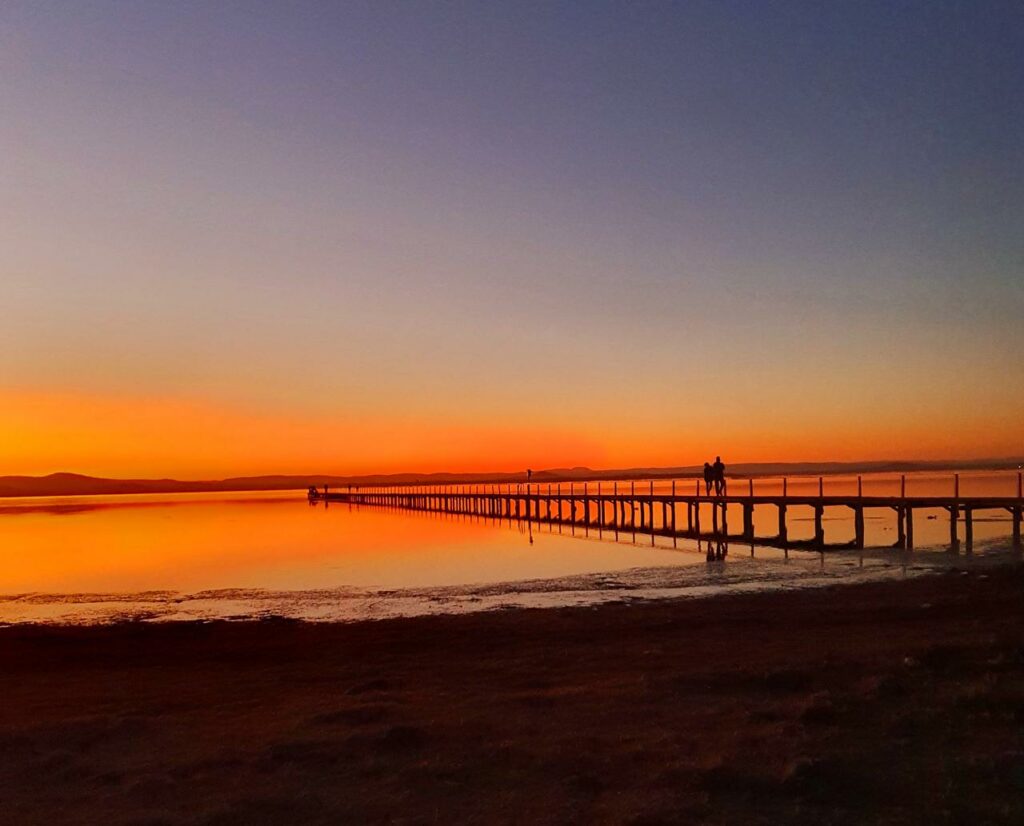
719	470
709	478
313	492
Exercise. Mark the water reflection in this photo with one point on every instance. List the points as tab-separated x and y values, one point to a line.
178	555
717	548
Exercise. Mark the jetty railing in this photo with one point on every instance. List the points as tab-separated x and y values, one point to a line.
628	507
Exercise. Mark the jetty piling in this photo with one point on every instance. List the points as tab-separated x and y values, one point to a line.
635	511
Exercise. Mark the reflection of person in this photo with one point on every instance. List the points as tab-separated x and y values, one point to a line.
716	552
719	469
709	477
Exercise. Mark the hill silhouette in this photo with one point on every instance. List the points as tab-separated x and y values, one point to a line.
76	484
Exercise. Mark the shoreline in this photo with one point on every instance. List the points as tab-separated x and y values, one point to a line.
887	701
799	571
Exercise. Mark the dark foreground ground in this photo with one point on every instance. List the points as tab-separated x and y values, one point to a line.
896	703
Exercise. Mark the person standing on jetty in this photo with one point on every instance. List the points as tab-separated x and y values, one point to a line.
719	472
709	478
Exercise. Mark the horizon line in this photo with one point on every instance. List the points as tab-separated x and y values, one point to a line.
936	464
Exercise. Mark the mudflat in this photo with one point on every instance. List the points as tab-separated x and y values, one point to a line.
896	702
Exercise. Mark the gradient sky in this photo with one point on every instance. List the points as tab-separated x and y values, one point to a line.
342	237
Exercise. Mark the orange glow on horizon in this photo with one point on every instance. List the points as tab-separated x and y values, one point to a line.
127	437
147	438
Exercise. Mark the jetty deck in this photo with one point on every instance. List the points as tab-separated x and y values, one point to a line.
675	513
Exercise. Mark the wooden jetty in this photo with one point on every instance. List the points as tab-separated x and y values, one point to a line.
623	507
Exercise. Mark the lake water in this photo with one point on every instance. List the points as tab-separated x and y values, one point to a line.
245	555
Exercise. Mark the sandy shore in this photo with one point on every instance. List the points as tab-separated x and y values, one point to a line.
896	702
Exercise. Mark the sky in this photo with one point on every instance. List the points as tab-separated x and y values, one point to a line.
242	238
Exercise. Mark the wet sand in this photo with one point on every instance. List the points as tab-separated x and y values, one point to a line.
898	702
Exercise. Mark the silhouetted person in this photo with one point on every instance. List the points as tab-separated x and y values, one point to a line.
719	470
709	477
529	474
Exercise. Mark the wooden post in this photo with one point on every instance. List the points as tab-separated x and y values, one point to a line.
673	506
903	487
819	513
860	488
783	533
858	526
969	528
954	515
1017	512
910	527
901	530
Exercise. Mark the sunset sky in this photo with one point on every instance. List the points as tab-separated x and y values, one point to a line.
241	238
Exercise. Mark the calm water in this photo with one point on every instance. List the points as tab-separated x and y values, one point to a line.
186	556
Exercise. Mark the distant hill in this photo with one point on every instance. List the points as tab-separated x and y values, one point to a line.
74	484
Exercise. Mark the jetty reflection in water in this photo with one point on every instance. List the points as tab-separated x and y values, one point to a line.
85	559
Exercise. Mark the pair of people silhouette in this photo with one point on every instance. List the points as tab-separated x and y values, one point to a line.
714	475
